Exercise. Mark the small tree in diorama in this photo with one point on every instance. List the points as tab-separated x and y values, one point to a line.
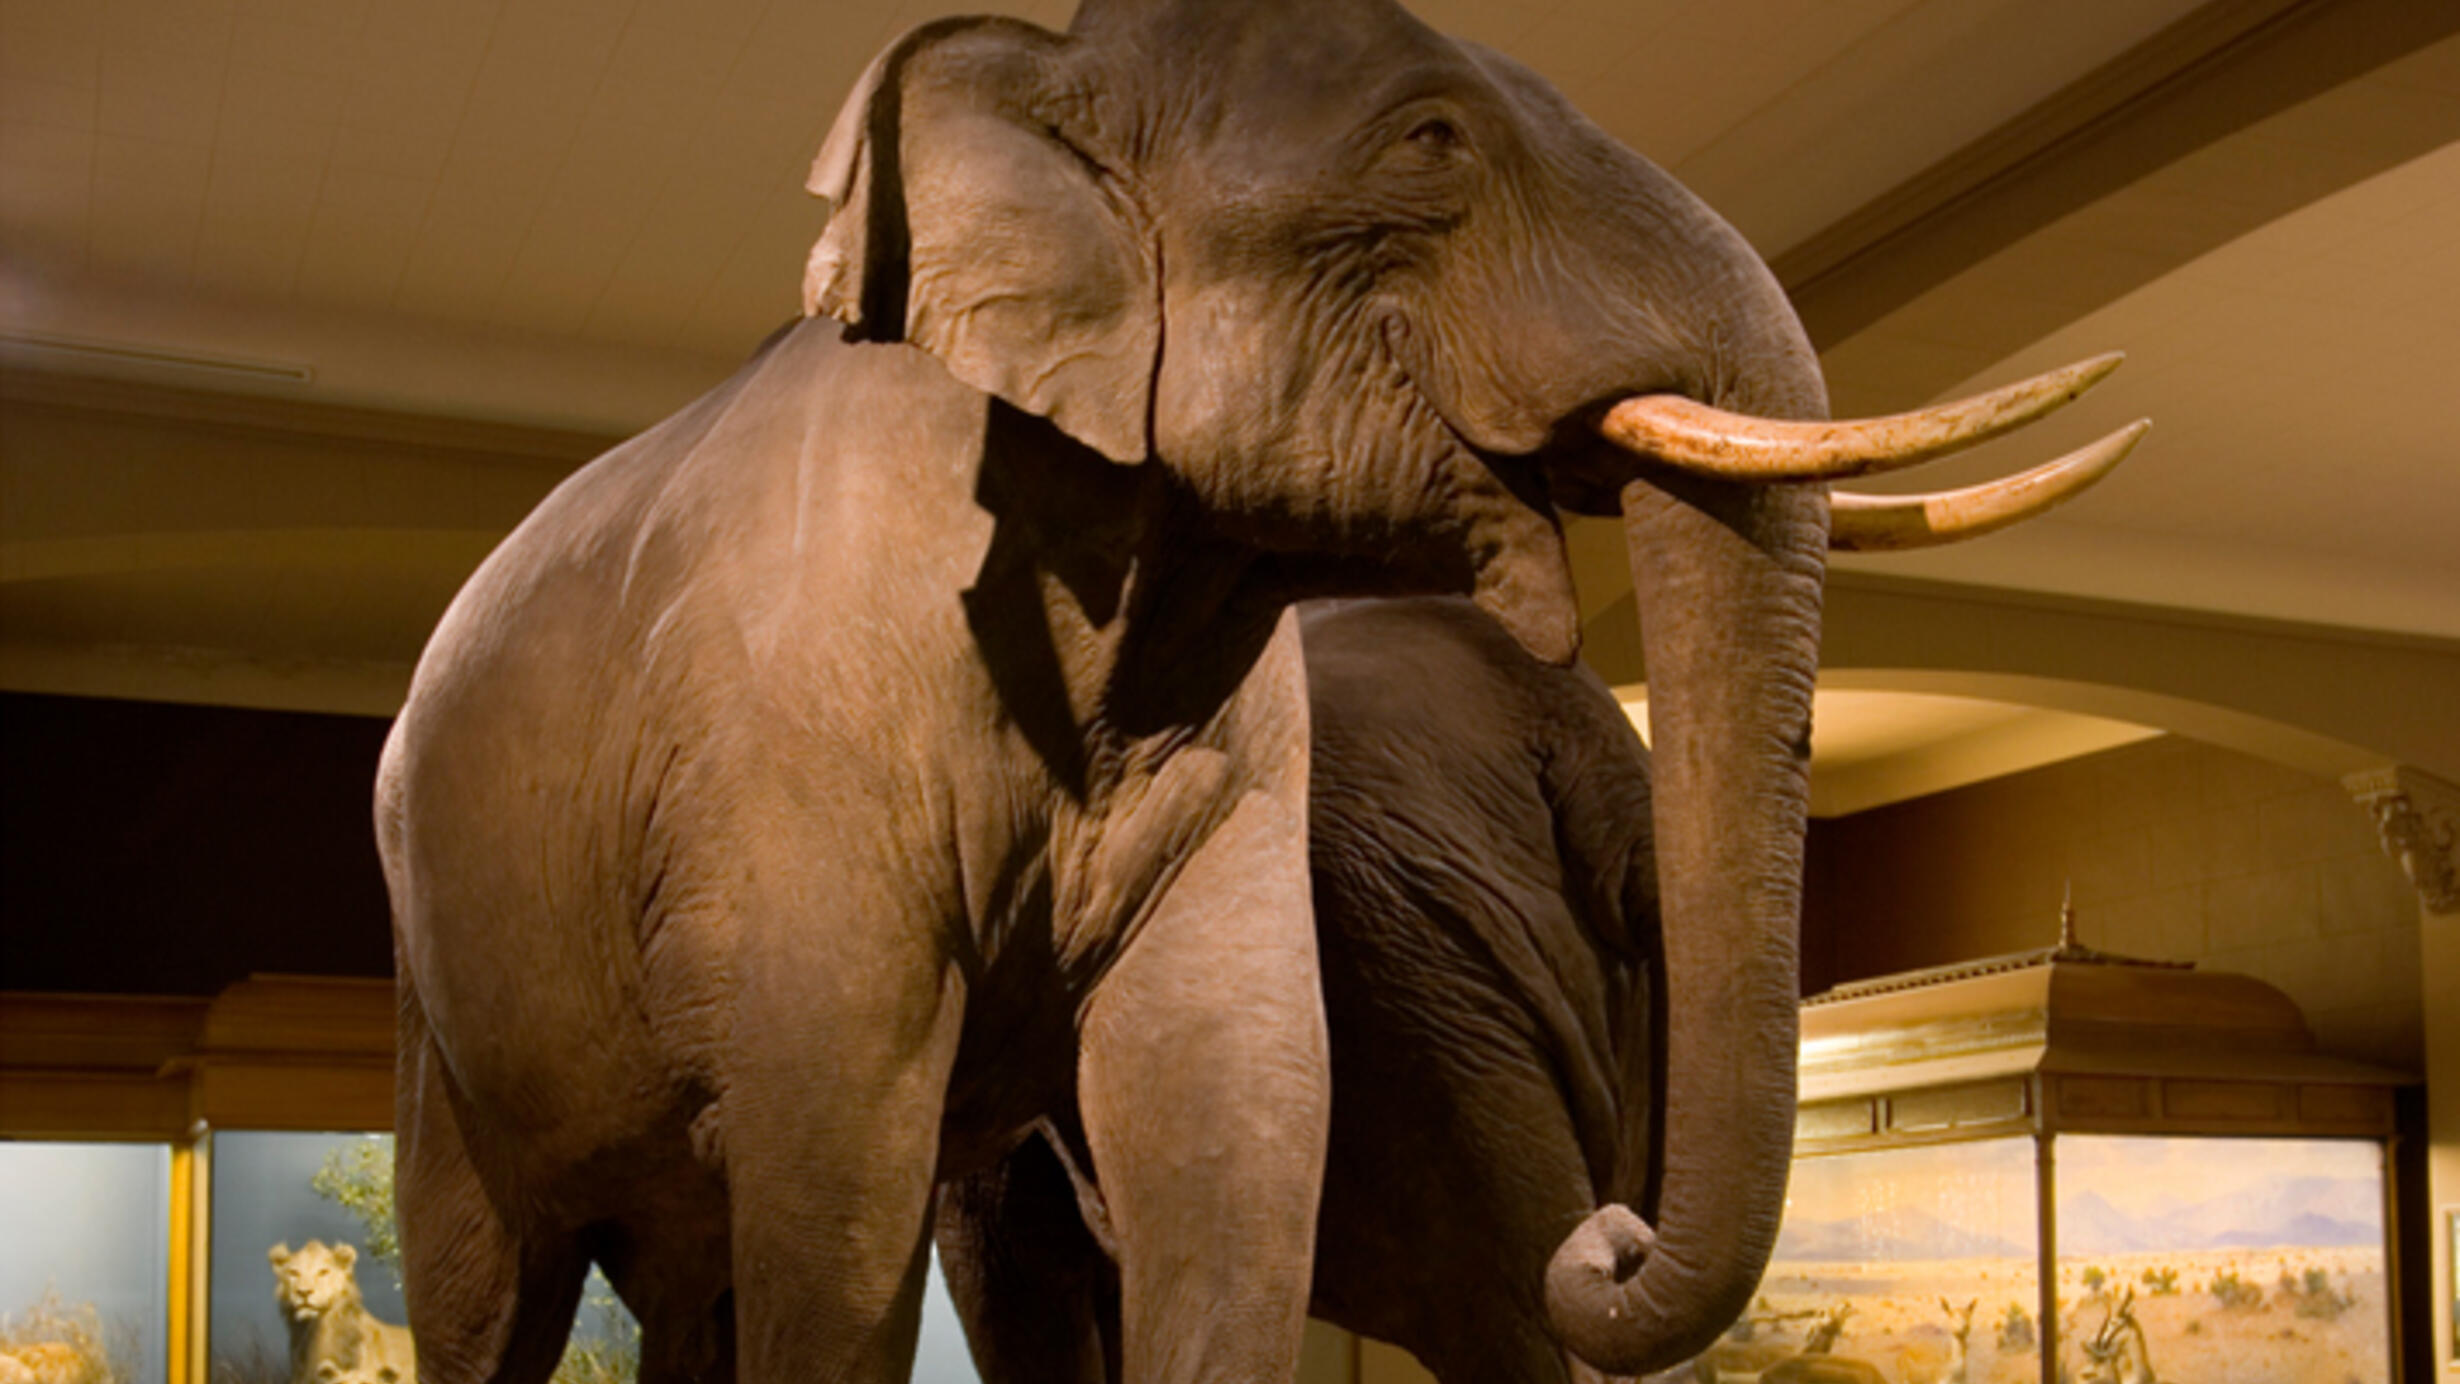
359	1179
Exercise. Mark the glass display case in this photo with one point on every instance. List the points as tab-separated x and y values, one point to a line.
95	1189
302	1235
2263	1264
1925	1257
85	1263
189	1187
2066	1167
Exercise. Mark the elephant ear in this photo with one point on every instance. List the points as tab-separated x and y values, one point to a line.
971	221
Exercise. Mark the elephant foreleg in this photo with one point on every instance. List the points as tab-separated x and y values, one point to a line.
830	1130
1204	1088
1038	1296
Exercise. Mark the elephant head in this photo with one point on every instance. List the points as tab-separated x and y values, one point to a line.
1375	304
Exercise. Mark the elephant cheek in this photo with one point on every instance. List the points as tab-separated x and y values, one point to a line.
1523	572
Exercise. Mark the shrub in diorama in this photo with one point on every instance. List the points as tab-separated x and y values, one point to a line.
2315	1297
2015	1328
2162	1282
53	1342
2235	1294
359	1179
252	1361
610	1354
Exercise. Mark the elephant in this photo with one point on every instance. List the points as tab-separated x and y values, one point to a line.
1485	895
906	742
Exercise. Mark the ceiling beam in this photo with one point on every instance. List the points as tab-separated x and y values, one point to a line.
2212	74
303	417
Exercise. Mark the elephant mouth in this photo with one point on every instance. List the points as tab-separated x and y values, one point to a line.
1520	570
1508	503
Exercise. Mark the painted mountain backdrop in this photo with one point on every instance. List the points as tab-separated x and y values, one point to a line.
1896	1235
2306	1212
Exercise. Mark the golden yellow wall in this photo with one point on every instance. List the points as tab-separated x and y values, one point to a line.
2176	850
2440	975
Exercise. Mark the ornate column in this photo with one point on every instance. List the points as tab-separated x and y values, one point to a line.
2419	818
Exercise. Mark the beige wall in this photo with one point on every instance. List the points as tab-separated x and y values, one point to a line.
2176	850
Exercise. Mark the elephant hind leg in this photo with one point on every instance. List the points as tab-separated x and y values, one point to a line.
697	1350
491	1302
1038	1296
670	1263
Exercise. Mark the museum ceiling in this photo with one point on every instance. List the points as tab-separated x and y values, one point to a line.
439	250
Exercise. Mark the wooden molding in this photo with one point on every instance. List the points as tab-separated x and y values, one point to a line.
304	1094
91	1104
94	1066
296	1052
272	1052
287	1015
132	1033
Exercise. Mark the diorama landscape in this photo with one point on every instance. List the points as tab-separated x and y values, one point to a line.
2254	1262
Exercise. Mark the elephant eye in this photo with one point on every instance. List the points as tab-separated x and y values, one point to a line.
1435	135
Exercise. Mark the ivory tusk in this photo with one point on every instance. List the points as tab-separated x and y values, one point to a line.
1691	435
1892	523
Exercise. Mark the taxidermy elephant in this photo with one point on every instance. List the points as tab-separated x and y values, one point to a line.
907	742
1486	914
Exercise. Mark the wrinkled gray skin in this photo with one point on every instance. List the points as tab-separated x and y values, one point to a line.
907	742
1486	912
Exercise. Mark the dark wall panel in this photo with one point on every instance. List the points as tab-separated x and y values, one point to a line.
151	848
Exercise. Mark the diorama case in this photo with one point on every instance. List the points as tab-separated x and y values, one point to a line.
197	1189
2070	1166
180	1177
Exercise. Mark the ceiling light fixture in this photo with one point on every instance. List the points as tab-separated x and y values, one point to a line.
70	354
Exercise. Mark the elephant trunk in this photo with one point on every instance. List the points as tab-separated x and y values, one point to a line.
1728	529
1728	578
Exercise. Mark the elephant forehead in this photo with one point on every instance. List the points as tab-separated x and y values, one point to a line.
1276	81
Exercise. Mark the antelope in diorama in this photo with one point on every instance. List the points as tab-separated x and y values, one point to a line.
1960	1329
1815	1365
1745	1352
2115	1354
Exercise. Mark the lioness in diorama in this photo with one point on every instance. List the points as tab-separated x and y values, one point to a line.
331	1332
45	1362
